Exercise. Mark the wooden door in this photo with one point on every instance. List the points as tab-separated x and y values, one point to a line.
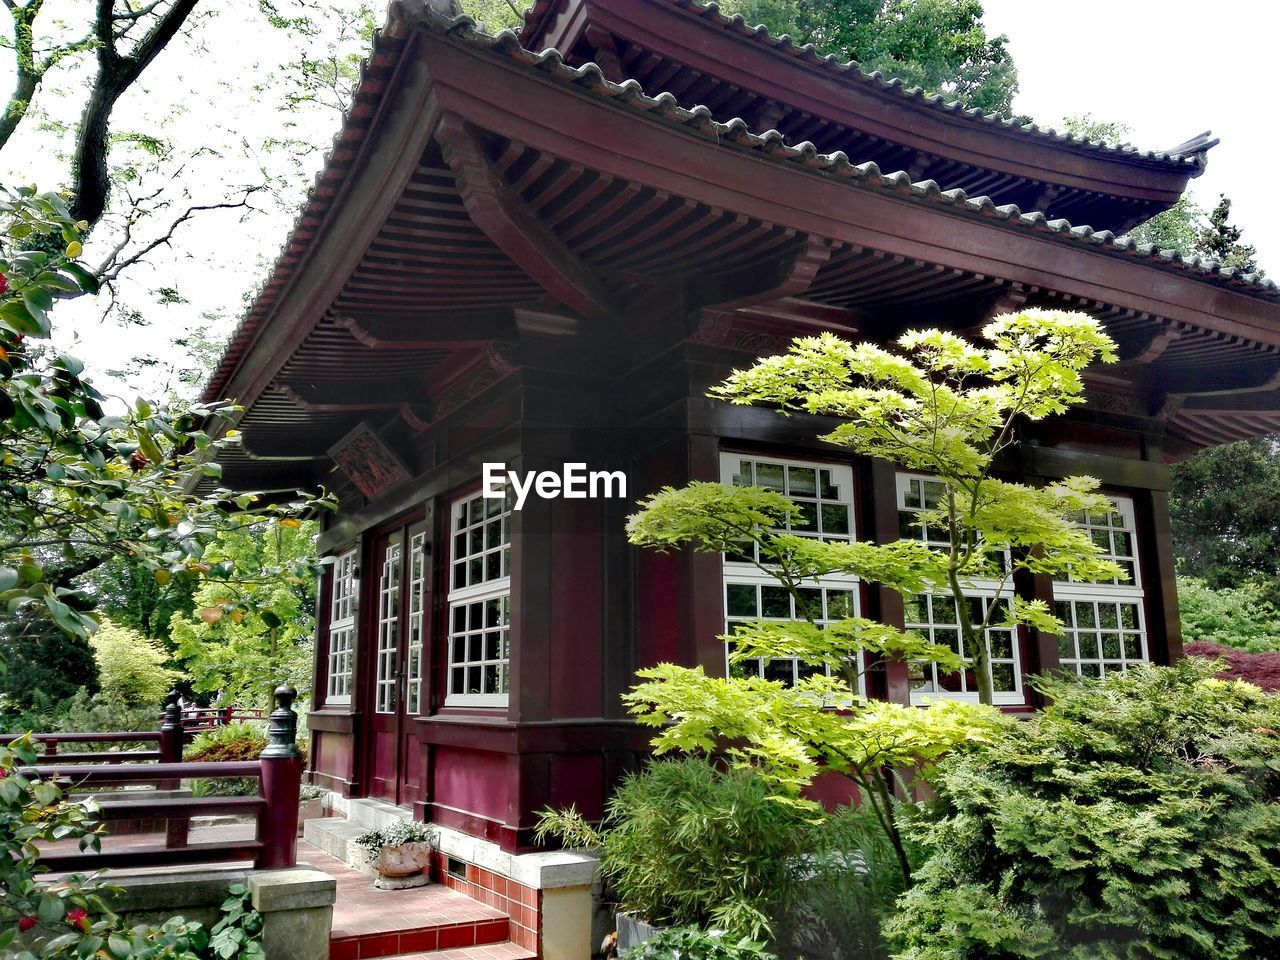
398	626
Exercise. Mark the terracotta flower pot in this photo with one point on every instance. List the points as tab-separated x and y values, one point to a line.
404	860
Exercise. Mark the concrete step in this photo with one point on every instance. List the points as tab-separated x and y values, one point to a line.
375	814
336	837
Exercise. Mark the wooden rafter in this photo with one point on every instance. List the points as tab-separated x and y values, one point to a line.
786	276
509	223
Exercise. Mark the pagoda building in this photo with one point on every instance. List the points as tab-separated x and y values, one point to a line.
544	248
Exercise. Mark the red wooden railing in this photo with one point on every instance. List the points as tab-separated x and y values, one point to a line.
275	809
200	719
52	743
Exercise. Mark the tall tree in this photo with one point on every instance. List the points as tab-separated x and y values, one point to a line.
124	37
940	45
1221	240
1225	514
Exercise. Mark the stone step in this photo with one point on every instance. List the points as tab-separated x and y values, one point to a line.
375	814
336	837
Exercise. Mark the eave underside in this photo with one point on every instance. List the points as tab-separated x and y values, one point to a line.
605	234
688	51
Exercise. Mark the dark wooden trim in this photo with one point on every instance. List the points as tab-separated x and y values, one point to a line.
498	735
331	720
405	122
1159	575
880	525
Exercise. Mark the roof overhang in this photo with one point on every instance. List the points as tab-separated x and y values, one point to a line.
480	192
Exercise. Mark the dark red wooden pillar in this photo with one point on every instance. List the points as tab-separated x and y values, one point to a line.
1040	649
1155	543
879	498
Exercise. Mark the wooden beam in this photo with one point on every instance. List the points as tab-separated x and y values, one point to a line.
294	448
1255	401
1146	347
418	331
1202	380
354	397
787	276
509	223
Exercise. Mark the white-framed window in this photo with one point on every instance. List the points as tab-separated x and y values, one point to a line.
479	602
937	616
388	629
342	628
823	495
417	621
1104	623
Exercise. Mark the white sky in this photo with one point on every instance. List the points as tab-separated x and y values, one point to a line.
1167	68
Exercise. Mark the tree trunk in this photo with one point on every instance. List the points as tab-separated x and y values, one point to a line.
19	103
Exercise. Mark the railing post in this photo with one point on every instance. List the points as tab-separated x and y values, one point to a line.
171	733
176	829
281	785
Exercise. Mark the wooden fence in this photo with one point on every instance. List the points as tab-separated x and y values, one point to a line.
274	809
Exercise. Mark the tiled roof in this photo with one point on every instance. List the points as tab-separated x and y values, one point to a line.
664	107
772	143
1191	153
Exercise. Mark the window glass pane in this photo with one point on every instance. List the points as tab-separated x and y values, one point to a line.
479	598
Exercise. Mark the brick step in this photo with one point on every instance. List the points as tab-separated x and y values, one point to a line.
496	951
432	940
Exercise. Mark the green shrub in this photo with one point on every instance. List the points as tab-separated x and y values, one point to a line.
850	883
227	743
684	843
1243	617
694	943
1136	817
132	669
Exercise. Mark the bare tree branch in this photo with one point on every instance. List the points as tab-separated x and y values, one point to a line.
116	73
108	272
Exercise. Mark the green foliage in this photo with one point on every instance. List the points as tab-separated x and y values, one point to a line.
1088	127
685	843
132	669
238	933
79	486
43	665
1135	817
244	639
942	406
496	14
1221	240
85	712
1243	617
940	45
1225	514
395	835
850	883
124	589
694	943
223	744
69	918
1177	228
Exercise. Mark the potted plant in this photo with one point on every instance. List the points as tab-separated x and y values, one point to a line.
310	804
399	853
